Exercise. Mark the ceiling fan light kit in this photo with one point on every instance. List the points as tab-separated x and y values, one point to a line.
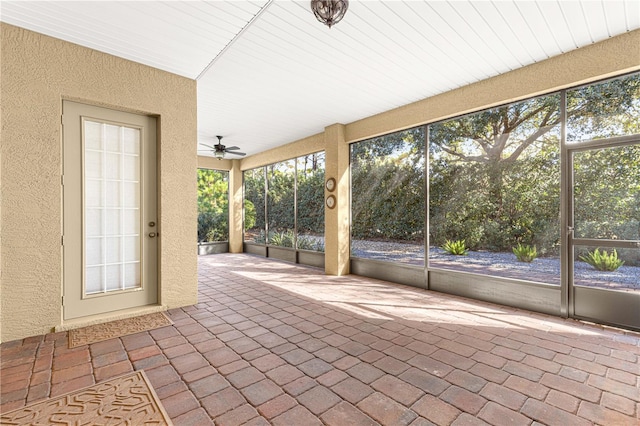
329	12
220	150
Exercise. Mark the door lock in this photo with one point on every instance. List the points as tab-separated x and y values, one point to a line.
152	234
152	224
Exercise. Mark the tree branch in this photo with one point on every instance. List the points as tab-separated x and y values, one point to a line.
467	158
526	143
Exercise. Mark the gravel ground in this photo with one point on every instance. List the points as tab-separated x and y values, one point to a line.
501	264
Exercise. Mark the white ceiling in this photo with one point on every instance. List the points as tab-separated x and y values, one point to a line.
268	73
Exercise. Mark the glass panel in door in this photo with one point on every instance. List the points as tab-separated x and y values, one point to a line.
112	207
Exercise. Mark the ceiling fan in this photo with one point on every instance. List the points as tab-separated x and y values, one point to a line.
220	150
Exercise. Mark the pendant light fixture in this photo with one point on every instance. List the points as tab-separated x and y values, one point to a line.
329	12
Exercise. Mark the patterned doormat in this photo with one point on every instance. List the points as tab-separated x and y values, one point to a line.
125	400
109	330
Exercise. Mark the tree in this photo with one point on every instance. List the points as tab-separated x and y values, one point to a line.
494	176
310	195
388	187
280	196
501	135
607	193
213	205
254	198
605	109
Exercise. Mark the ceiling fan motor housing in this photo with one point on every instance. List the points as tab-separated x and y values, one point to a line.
220	150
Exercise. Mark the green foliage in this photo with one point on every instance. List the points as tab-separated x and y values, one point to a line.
286	238
281	180
525	253
495	175
311	201
457	247
603	110
310	243
208	226
281	239
254	199
249	215
387	175
260	238
389	145
607	193
603	261
213	205
280	195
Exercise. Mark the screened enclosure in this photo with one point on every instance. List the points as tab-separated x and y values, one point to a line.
284	208
534	204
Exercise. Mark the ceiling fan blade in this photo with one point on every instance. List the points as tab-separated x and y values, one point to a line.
236	153
208	146
232	148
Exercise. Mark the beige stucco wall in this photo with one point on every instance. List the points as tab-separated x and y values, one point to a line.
38	72
337	220
206	162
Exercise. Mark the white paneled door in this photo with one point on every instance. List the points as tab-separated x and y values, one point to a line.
110	229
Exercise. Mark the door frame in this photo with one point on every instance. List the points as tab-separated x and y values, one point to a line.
75	259
594	304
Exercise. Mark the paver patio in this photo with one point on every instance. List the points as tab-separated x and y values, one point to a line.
282	344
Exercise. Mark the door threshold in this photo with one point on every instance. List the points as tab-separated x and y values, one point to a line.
109	316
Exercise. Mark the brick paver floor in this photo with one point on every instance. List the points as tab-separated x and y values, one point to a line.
276	343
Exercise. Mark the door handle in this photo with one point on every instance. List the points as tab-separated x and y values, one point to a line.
152	234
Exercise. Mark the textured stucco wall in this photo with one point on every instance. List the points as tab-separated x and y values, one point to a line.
205	162
236	210
337	220
38	72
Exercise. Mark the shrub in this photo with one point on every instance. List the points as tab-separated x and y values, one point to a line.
260	238
525	253
308	243
456	247
281	239
213	226
603	261
249	215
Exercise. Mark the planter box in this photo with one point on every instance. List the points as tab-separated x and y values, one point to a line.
303	257
213	248
414	276
257	249
311	258
282	253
